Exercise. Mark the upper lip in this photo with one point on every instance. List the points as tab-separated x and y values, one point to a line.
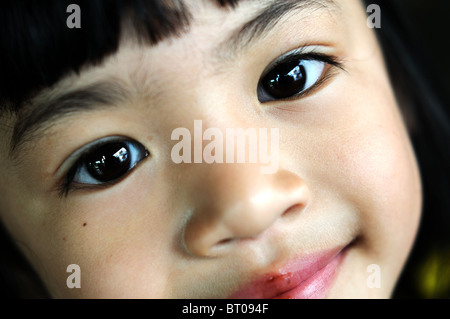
276	282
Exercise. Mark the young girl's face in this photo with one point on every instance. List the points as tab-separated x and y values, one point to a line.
100	185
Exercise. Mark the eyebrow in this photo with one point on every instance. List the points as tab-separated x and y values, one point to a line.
266	20
47	110
106	93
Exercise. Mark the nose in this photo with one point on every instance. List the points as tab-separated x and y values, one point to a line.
236	202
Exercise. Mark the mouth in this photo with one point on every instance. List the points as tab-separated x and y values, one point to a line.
305	277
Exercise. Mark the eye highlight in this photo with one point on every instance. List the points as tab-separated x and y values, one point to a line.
104	163
294	74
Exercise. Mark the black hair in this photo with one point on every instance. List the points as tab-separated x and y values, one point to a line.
37	50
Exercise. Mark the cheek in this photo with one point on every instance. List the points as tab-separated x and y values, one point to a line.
376	160
374	168
378	169
125	242
120	237
356	157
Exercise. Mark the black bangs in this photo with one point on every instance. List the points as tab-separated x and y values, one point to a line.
37	47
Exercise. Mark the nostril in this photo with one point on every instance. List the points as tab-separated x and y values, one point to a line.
224	241
220	246
293	209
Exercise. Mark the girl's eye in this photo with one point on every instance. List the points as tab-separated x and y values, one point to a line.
106	163
292	76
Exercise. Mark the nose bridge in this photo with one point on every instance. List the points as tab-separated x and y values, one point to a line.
236	201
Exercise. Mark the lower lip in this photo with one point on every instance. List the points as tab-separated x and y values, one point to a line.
318	285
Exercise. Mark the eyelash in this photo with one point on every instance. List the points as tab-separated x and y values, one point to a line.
332	63
67	184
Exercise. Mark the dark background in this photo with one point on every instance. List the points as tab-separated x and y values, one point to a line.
428	21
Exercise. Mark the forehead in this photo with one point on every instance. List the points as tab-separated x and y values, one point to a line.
218	33
192	26
210	38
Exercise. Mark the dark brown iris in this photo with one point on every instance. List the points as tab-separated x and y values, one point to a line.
109	162
285	80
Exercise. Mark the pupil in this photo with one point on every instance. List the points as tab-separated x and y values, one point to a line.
285	80
109	162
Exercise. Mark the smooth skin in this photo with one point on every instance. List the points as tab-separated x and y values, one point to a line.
347	171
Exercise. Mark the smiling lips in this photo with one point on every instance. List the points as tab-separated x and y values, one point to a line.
302	278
